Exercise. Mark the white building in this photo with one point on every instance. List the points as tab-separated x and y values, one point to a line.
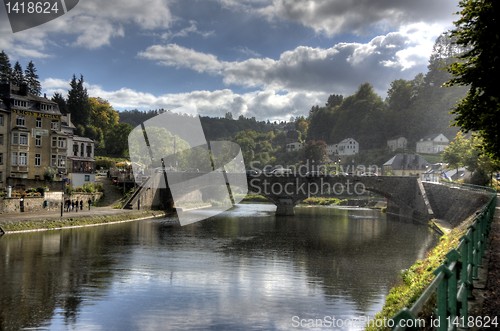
432	144
346	147
80	157
293	147
397	143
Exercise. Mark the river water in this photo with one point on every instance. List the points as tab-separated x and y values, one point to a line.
242	270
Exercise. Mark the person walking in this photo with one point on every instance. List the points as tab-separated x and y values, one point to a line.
81	204
89	202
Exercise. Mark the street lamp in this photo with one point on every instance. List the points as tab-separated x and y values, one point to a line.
63	186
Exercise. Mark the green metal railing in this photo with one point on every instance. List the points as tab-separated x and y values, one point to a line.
453	282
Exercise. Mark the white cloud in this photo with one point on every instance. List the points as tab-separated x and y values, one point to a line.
181	57
192	29
92	23
266	104
333	17
338	69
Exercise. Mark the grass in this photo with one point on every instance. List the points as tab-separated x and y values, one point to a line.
415	279
251	197
320	201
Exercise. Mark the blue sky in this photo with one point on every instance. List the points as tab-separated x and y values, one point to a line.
271	59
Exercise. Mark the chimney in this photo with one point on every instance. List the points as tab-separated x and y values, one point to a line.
5	90
23	89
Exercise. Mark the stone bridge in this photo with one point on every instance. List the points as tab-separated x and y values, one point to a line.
406	196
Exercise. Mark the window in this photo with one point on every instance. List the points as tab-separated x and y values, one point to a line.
23	139
20	103
38	160
89	150
19	159
1	120
44	106
38	122
23	158
1	158
58	161
1	139
1	177
82	150
75	149
87	178
61	142
20	120
38	141
54	125
20	138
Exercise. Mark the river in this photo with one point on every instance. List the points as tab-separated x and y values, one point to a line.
242	270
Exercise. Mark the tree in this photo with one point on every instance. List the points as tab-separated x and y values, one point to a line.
78	102
334	100
102	114
478	31
31	78
5	68
400	95
116	140
17	74
301	125
460	153
61	102
469	153
315	151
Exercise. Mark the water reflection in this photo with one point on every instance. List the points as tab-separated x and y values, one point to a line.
244	269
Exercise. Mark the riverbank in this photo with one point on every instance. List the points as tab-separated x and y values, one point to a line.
52	220
414	280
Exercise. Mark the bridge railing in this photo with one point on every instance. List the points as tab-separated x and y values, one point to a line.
470	187
453	281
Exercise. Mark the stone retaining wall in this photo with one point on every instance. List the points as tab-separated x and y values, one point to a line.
454	204
51	201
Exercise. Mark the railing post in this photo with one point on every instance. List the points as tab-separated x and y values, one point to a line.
465	290
453	266
442	297
465	277
475	250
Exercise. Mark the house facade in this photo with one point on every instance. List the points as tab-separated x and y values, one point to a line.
81	163
31	137
295	146
406	164
34	138
432	144
397	143
346	147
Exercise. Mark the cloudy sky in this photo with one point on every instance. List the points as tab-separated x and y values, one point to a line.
271	59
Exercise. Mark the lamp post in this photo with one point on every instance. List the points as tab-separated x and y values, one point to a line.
63	186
